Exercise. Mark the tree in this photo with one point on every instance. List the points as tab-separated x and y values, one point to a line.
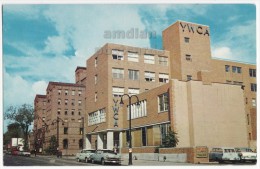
23	116
13	131
53	145
171	139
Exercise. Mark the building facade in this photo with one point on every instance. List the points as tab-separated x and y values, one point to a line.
207	101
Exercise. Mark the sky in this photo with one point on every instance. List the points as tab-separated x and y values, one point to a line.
43	43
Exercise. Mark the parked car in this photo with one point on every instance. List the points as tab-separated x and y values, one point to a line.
84	155
223	154
106	156
246	154
24	153
14	152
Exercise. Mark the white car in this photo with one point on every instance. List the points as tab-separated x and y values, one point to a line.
106	156
246	154
24	153
223	154
84	155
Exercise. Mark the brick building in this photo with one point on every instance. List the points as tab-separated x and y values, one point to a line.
181	87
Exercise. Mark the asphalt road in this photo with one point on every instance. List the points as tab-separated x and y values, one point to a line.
10	160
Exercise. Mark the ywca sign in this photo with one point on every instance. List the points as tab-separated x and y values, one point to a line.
194	28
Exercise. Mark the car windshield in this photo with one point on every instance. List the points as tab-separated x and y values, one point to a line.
229	150
244	150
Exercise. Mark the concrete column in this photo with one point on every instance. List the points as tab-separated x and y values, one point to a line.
88	142
100	141
120	140
110	140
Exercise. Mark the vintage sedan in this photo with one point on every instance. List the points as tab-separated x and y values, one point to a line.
84	155
246	154
106	156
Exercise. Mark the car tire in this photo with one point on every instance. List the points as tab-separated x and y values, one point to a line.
92	161
102	161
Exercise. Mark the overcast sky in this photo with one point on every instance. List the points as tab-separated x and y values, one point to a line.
43	43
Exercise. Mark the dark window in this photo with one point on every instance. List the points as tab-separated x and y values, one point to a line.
80	144
81	131
186	39
252	72
127	136
253	87
72	112
66	112
189	77
65	130
236	69
144	136
65	144
227	68
188	57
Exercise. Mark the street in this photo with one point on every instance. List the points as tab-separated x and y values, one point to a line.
10	160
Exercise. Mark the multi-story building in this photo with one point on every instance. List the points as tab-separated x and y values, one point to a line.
207	101
65	114
187	57
40	105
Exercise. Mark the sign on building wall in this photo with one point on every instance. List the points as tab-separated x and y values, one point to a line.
115	110
202	152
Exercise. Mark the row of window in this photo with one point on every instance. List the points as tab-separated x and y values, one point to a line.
134	57
66	101
65	143
119	91
164	130
118	73
73	92
236	69
97	117
67	112
137	110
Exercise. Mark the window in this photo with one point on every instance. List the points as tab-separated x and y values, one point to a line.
149	76
79	93
58	111
133	56
186	39
236	69
117	54
73	92
72	102
79	102
96	97
117	73
189	77
148	59
132	91
95	79
96	117
59	92
127	135
253	102
117	91
66	92
59	101
164	128
72	112
65	144
253	87
96	62
163	61
252	72
227	68
137	111
44	103
80	130
79	112
188	57
163	78
247	119
66	112
163	102
133	74
144	135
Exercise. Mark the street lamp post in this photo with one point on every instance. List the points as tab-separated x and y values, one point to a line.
130	120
